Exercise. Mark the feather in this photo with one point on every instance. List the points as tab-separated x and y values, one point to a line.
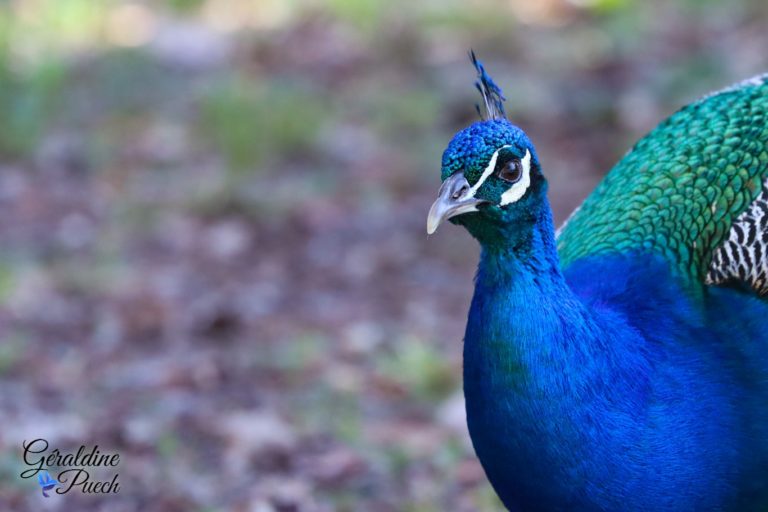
493	97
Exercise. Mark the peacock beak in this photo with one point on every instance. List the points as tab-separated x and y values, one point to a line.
454	198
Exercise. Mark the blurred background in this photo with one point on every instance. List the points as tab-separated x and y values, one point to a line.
213	257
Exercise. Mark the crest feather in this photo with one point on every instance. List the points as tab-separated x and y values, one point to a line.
493	97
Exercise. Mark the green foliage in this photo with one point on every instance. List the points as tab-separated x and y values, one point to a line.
10	469
449	454
420	368
168	445
127	81
28	103
320	407
486	499
11	351
420	506
404	114
297	355
365	14
250	123
605	6
184	6
68	20
477	18
326	410
7	281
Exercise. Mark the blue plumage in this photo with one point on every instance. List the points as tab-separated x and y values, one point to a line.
614	382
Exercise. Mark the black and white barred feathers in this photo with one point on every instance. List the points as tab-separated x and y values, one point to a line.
743	256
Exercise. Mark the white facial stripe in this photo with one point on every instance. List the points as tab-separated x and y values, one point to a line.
487	172
516	191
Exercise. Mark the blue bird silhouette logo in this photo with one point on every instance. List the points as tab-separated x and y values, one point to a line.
47	482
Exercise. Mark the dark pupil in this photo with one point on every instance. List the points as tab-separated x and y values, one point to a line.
511	171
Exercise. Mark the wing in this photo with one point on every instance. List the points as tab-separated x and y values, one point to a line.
694	190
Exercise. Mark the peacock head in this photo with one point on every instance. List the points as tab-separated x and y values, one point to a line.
492	181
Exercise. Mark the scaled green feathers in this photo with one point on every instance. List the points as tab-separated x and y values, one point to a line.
679	189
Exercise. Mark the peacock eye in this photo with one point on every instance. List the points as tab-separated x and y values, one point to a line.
512	171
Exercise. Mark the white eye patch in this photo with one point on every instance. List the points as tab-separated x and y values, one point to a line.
487	172
517	190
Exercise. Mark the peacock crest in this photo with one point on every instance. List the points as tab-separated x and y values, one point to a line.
493	97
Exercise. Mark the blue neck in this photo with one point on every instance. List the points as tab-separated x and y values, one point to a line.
537	366
525	316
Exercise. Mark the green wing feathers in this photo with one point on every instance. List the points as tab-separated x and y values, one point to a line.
685	191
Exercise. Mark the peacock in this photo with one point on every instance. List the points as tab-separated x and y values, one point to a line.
620	364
